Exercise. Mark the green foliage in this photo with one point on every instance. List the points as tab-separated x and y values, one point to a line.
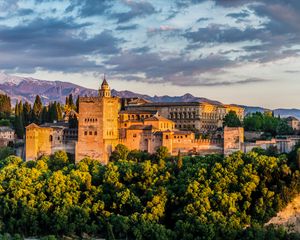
298	158
58	160
5	106
4	122
267	123
73	121
19	121
162	153
120	153
232	120
210	197
37	110
5	152
27	114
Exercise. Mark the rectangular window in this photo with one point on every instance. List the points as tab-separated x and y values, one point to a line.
91	133
95	133
85	133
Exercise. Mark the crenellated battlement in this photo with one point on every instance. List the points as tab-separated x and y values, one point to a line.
199	141
89	99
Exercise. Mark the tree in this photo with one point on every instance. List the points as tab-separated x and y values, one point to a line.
283	128
58	160
5	106
45	115
232	120
162	153
298	158
73	121
37	110
179	160
77	104
27	114
120	153
18	123
71	101
59	112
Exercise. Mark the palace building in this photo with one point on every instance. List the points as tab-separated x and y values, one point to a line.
105	121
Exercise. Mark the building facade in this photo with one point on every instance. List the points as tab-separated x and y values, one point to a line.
49	138
7	135
140	126
202	117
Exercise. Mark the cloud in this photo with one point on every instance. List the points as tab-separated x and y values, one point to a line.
161	29
202	19
137	9
238	15
88	8
53	41
176	70
212	83
216	33
127	27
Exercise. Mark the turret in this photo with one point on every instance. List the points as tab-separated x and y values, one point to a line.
104	91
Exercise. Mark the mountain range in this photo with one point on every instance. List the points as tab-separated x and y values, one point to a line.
26	88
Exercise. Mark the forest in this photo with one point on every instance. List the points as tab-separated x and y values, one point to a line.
24	113
142	196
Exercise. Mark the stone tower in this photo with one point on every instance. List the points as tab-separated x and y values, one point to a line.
98	125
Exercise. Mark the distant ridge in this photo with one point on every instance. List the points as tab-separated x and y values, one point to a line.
26	88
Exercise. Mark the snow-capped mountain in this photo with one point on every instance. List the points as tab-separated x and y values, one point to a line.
26	88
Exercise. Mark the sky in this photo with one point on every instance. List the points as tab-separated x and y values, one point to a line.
234	51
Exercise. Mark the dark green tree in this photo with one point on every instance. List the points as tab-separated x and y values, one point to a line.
162	153
5	106
77	104
232	120
18	123
120	153
37	110
27	113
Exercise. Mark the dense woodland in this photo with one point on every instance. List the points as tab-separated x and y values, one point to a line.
25	113
267	123
141	196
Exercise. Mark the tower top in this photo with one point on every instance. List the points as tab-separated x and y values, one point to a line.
104	83
104	91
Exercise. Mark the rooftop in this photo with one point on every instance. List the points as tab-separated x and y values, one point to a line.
6	129
141	127
157	118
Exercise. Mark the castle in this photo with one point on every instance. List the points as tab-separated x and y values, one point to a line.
105	121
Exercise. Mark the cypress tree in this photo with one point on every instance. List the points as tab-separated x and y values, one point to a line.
59	112
77	104
45	115
26	113
5	106
71	102
37	110
19	126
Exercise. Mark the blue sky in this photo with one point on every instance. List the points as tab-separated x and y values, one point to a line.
235	51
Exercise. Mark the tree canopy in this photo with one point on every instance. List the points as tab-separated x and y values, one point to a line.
232	120
208	197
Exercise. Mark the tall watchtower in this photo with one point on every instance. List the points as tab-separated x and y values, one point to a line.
98	125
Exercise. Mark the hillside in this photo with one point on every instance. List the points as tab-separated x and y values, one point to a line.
289	217
26	88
